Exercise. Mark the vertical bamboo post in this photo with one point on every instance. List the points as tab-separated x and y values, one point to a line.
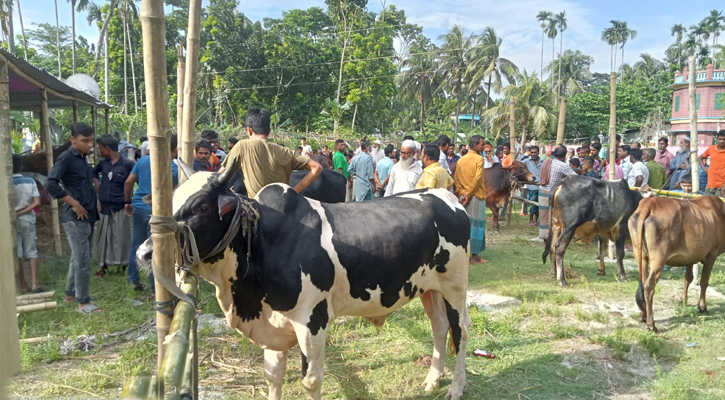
75	111
159	134
694	137
9	327
94	123
512	149
45	137
612	137
190	82
180	72
562	121
107	121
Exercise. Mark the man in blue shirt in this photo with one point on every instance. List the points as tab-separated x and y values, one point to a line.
382	171
79	213
534	163
140	212
362	167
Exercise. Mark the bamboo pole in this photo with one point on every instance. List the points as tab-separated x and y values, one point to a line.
106	117
48	144
94	123
612	136
159	134
562	122
35	340
35	296
75	111
179	339
37	307
512	149
180	72
190	83
693	125
136	387
9	347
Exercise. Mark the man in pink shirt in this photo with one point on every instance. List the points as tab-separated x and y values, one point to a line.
618	173
664	157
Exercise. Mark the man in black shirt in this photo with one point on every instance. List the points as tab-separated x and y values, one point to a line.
114	233
79	212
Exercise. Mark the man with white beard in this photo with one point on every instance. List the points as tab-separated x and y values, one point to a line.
377	152
406	172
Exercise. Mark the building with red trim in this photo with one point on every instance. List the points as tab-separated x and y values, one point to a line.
710	102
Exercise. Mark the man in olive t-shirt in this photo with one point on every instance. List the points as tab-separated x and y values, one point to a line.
262	162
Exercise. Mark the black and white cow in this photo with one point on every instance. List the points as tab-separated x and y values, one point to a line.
310	262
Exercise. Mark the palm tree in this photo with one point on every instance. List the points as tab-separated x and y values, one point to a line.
418	80
57	39
534	105
95	14
647	67
627	72
76	5
560	19
573	69
543	17
6	7
22	29
678	30
453	63
623	34
551	32
610	36
485	61
713	24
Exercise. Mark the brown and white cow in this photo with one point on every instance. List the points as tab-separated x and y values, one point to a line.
498	181
283	282
677	233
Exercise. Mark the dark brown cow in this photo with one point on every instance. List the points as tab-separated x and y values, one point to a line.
676	233
498	181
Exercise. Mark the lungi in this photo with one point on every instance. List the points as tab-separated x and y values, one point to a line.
476	210
543	214
114	238
533	195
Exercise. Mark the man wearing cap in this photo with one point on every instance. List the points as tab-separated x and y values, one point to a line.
680	165
404	174
377	152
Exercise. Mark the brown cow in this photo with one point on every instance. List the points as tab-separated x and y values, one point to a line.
498	181
676	233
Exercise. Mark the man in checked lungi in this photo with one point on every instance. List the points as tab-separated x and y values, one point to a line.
471	190
114	234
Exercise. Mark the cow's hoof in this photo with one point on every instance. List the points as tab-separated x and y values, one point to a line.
454	394
623	278
642	318
702	310
601	272
431	381
564	284
652	328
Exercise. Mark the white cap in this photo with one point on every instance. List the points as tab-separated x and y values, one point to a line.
378	142
408	143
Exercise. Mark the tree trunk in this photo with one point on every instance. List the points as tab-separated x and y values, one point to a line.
473	110
512	127
488	94
9	329
693	125
422	116
133	71
354	114
125	71
541	71
336	119
612	134
188	132
180	73
561	52
73	17
553	46
159	134
11	30
458	104
103	36
106	72
57	44
22	30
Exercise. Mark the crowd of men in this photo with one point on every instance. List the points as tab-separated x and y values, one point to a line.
106	194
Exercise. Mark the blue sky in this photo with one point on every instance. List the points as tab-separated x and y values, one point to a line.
514	21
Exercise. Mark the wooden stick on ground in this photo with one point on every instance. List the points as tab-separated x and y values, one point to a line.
37	307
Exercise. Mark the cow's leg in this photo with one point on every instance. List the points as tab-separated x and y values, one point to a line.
275	367
619	248
704	281
562	243
688	281
311	338
655	270
436	310
457	313
494	211
602	251
555	232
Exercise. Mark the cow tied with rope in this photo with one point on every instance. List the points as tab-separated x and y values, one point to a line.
285	266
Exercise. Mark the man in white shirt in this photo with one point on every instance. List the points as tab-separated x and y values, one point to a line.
377	152
444	142
638	174
623	152
406	172
306	148
488	157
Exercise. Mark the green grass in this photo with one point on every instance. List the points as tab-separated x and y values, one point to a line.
583	342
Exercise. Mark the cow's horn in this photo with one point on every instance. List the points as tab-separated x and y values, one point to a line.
232	168
185	168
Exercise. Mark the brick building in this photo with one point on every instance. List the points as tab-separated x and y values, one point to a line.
710	101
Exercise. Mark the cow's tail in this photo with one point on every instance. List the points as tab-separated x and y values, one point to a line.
641	265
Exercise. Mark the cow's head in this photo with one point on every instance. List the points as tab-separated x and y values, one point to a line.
519	172
206	204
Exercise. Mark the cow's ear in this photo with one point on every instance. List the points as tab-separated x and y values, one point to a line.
147	199
226	203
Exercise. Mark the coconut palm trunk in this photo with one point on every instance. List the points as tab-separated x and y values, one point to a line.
11	30
561	52
125	70
103	38
541	71
22	31
133	71
57	41
422	116
73	19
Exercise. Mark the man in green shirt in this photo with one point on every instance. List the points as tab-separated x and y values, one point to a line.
657	173
339	164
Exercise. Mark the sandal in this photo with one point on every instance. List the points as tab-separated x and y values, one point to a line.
39	289
89	309
140	287
101	272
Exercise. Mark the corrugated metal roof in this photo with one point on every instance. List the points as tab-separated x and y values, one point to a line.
25	81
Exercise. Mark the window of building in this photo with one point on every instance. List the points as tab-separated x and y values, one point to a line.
697	101
677	103
719	101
